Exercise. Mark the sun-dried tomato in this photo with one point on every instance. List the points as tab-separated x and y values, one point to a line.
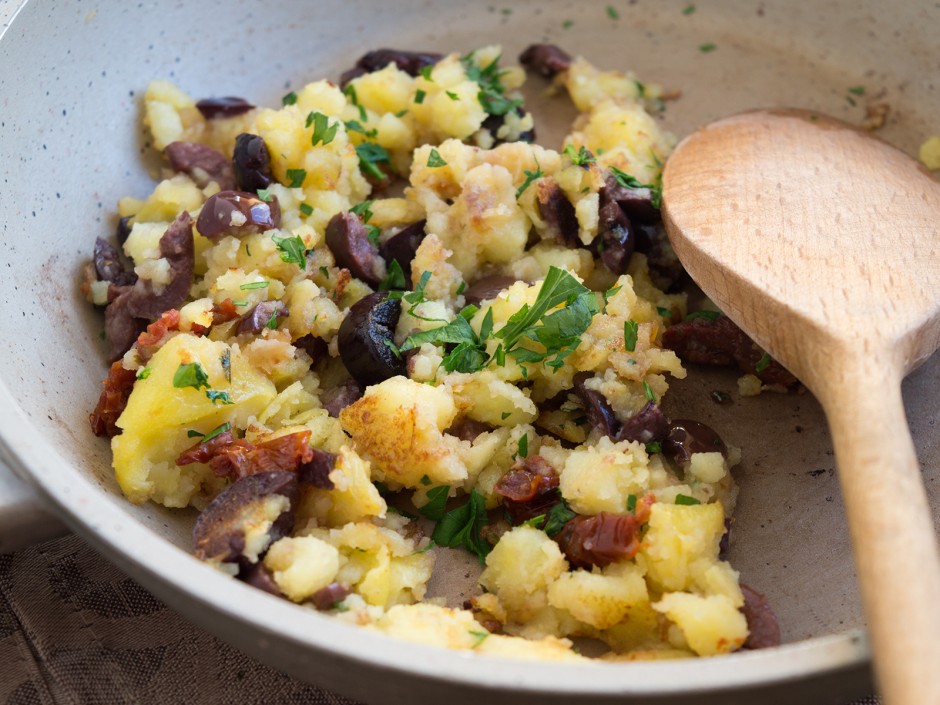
529	489
113	399
239	458
157	333
720	342
224	312
605	538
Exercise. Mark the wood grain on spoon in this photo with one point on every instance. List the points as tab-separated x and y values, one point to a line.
823	244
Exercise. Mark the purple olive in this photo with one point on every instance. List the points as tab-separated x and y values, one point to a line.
636	203
649	424
221	531
687	437
261	316
237	213
615	241
598	409
363	337
411	62
559	215
260	577
487	288
108	265
202	163
545	59
335	399
402	246
761	621
123	229
252	163
224	107
317	471
348	240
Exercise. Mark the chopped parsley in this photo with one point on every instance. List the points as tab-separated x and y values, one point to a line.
688	9
436	160
654	447
362	209
323	131
480	636
492	92
763	363
356	126
306	209
437	503
857	90
567	24
419	96
505	415
686	500
452	95
523	451
265	195
559	515
461	288
369	155
720	397
191	374
225	359
254	285
630	329
289	99
144	373
217	431
192	433
631	503
664	312
292	249
628	181
272	321
296	177
707	47
648	391
612	12
425	73
218	397
707	315
581	157
536	522
394	279
350	92
461	527
530	176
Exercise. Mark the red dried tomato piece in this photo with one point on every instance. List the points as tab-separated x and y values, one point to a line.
605	538
237	458
224	312
156	334
529	489
113	399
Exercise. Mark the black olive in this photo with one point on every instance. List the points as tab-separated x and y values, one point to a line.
598	409
224	107
221	529
487	288
545	59
402	246
687	437
252	163
348	240
648	424
237	213
559	215
411	62
260	317
363	338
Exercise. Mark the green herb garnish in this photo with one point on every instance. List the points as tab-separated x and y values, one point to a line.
581	157
296	177
265	195
144	373
217	431
530	176
707	315
654	447
437	503
648	391
369	155
306	209
763	363
612	12
254	285
688	9
289	99
394	278
707	47
559	515
631	503
630	329
686	500
419	96
491	95
323	131
461	527
191	375
356	126
523	450
435	159
857	90
218	397
292	249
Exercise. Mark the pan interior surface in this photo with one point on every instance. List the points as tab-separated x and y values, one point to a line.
71	144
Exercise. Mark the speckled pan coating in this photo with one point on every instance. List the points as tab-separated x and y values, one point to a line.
71	77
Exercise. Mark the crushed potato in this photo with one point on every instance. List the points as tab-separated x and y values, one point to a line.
553	376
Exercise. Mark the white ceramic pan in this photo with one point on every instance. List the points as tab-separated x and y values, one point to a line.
71	77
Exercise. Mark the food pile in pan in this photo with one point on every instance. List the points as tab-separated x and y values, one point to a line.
345	382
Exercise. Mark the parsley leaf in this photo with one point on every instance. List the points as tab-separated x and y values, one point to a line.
356	126
323	131
419	96
654	447
491	95
530	176
480	637
191	375
144	373
648	391
218	430
631	503
763	363
523	450
435	159
218	397
457	331
296	177
630	329
254	285
394	279
460	527
707	315
350	92
686	500
437	502
292	249
369	155
362	210
559	515
707	47
581	157
289	99
306	209
612	12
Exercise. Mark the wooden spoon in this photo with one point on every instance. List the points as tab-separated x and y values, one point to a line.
823	244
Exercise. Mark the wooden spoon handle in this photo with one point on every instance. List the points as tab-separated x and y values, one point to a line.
893	535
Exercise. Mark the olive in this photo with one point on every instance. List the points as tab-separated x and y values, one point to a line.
252	163
221	531
260	577
545	59
260	317
487	288
764	631
317	470
348	240
202	163
687	437
493	122
108	265
598	409
411	62
636	203
649	424
616	241
335	399
328	597
559	215
363	338
123	230
402	246
224	107
237	213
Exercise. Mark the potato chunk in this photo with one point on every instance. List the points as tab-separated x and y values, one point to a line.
711	625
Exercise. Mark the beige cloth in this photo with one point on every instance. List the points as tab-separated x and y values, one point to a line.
74	630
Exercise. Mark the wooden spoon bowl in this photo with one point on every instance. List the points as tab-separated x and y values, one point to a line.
823	244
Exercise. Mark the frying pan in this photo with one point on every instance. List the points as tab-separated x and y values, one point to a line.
71	78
